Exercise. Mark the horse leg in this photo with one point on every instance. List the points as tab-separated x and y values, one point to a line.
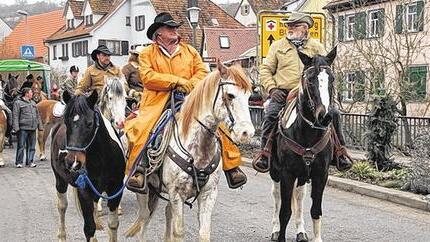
97	214
100	207
142	218
206	203
41	144
87	207
113	222
61	187
2	137
318	185
177	216
276	194
287	185
168	230
299	194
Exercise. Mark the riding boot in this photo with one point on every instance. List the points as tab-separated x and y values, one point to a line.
341	158
137	182
235	178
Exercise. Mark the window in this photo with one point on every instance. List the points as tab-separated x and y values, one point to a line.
354	86
117	47
224	42
54	52
89	20
127	21
215	22
373	23
80	48
65	52
350	23
410	17
417	78
244	10
140	22
70	24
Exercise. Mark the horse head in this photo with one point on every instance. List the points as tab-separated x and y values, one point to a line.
12	85
82	121
113	101
222	97
37	91
317	86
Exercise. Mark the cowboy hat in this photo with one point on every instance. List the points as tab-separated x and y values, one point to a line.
162	19
137	50
100	49
297	17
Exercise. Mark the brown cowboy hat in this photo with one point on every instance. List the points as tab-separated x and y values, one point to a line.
297	17
100	49
162	19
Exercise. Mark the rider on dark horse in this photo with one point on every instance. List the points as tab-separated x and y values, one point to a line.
280	73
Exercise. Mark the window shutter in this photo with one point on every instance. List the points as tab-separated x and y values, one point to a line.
359	86
74	49
102	42
399	19
124	47
341	28
85	48
360	26
420	10
381	22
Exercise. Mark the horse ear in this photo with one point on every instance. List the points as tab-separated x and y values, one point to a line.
9	76
92	99
306	60
16	77
66	96
221	68
330	56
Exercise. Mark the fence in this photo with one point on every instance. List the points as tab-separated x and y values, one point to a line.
354	127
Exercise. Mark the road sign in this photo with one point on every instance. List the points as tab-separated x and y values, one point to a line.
209	59
272	26
27	52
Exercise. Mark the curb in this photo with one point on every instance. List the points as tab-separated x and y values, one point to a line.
399	197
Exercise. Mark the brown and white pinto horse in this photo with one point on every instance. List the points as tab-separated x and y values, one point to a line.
45	108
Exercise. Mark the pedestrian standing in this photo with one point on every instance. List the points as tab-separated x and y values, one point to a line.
26	120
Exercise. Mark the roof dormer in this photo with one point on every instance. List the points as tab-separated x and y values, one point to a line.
87	12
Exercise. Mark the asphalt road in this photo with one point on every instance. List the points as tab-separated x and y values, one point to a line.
28	213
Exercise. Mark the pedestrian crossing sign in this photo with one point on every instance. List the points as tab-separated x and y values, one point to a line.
27	52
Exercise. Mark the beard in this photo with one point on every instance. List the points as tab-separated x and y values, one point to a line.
297	35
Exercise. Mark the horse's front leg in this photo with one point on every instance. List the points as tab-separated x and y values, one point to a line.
177	207
299	194
287	186
87	208
61	187
276	194
206	202
41	144
318	184
113	222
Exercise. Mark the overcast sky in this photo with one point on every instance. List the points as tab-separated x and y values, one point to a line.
33	1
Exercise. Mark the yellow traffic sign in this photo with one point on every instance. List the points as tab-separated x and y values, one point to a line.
272	26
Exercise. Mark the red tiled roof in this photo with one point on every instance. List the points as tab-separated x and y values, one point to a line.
101	6
82	29
210	11
40	27
241	40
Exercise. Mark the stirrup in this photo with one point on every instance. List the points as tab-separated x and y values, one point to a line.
141	190
254	161
234	186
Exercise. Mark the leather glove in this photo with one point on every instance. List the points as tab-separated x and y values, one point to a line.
181	82
278	95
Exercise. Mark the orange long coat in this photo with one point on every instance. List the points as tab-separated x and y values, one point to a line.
159	74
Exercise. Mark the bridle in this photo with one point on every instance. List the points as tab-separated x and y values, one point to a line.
84	149
311	102
225	101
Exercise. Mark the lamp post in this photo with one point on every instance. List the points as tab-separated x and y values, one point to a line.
193	13
27	30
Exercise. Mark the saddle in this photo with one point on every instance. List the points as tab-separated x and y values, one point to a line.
58	110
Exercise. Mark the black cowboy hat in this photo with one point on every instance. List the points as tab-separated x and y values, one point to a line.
29	77
100	49
162	19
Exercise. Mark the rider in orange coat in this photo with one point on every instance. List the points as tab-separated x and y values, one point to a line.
165	65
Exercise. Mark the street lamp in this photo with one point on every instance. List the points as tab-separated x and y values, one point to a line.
27	30
193	13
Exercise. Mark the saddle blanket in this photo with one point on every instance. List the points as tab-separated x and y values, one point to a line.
289	114
58	110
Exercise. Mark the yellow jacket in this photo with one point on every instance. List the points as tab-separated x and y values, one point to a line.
282	67
160	74
94	79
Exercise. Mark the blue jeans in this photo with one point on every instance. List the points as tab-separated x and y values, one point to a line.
27	140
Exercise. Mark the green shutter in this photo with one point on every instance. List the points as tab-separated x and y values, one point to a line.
399	19
341	28
360	26
420	11
359	86
381	22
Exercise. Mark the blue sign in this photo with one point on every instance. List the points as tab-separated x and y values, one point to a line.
27	52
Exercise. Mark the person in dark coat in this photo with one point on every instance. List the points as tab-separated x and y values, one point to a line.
28	82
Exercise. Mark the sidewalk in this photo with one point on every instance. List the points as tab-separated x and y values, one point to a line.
361	155
392	195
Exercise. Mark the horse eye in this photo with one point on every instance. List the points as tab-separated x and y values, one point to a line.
231	96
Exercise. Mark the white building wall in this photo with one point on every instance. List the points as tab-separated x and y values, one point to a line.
141	7
247	20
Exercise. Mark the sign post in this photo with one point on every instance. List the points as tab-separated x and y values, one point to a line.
27	52
272	26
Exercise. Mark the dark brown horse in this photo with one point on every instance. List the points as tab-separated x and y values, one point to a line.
303	149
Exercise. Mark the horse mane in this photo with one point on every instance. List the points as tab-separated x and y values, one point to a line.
114	85
202	95
77	105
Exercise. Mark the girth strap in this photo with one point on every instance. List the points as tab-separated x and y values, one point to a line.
200	176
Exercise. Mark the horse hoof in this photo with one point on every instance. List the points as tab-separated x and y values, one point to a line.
42	158
302	237
275	236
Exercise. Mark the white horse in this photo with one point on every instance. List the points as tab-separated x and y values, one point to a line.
221	97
